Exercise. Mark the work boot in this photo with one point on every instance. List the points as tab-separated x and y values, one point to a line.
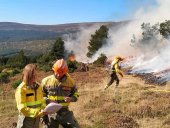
116	85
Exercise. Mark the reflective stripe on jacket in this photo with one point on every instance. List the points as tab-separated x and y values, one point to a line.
57	90
29	101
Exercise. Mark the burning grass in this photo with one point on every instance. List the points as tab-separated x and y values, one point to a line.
150	78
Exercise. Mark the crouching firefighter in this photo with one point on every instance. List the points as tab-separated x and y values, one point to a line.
60	88
115	69
29	98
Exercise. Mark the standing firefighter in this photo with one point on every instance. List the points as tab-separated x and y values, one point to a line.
60	88
29	98
115	69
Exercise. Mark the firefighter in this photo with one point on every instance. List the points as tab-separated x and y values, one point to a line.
115	70
29	98
60	88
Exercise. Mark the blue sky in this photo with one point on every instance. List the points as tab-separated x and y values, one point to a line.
69	11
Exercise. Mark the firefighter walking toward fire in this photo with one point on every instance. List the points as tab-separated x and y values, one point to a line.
60	88
115	70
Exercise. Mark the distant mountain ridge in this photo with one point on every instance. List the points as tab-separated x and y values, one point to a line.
11	31
54	28
36	39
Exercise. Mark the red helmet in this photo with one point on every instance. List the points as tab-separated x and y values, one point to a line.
60	67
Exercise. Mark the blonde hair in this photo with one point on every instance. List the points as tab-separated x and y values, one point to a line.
28	74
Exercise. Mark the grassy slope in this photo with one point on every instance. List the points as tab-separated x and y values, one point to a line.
133	104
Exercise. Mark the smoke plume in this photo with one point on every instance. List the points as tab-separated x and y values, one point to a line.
148	59
78	42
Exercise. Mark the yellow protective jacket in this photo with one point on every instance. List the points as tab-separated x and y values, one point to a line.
56	90
115	66
29	101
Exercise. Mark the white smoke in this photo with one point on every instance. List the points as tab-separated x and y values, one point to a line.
155	59
78	43
150	59
153	62
121	39
154	14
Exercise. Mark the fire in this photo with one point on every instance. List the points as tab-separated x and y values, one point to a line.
72	57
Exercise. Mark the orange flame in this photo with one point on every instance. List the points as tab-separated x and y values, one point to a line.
72	57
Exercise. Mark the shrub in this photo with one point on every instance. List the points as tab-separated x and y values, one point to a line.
16	83
4	77
1	68
45	68
11	72
72	65
100	60
19	60
15	71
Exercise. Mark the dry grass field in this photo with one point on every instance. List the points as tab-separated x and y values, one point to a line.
132	105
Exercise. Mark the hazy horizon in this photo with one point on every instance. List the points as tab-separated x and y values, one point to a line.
68	11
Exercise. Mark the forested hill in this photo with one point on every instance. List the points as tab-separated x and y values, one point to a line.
12	32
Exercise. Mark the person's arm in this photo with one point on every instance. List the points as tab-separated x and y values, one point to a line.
73	96
121	74
45	91
118	70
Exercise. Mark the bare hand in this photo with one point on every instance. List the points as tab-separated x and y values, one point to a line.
67	99
121	74
41	113
45	113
